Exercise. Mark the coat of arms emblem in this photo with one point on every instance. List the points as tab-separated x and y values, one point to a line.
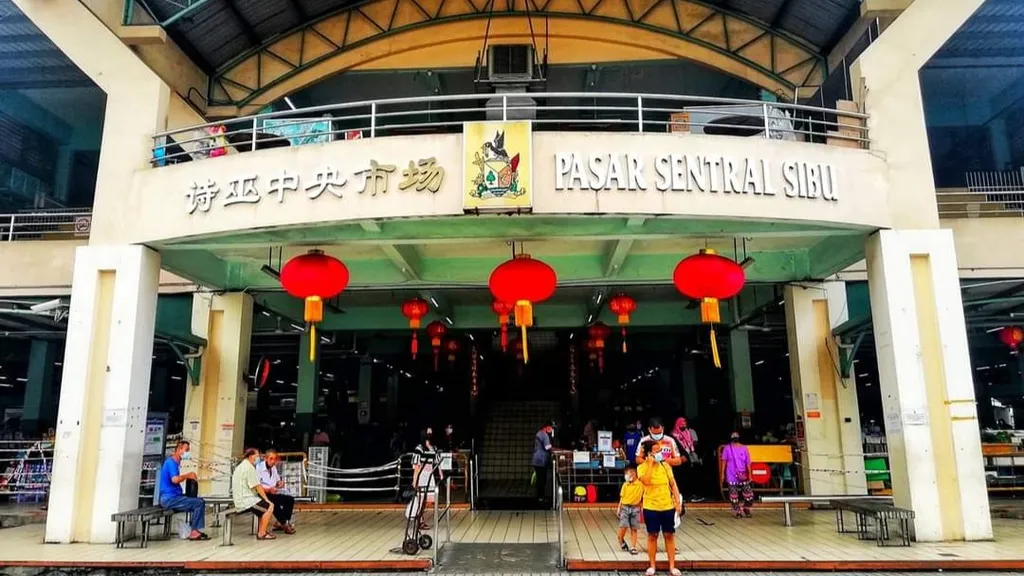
498	173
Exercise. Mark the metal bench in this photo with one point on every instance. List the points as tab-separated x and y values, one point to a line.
875	515
145	516
788	501
225	517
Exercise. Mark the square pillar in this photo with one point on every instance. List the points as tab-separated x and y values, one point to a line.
927	385
740	375
38	406
215	408
101	419
831	459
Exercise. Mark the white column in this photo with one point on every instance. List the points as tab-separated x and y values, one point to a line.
831	453
215	408
927	385
104	392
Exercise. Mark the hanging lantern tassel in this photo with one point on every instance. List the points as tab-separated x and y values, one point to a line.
709	314
524	319
504	332
415	345
313	314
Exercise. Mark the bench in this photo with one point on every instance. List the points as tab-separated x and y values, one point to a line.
145	516
873	514
225	518
788	501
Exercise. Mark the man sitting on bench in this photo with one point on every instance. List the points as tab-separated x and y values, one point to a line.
171	486
272	484
248	495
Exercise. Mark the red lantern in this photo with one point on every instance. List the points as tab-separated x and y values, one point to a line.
451	347
523	282
598	334
709	278
622	305
314	277
415	309
1012	336
436	332
502	309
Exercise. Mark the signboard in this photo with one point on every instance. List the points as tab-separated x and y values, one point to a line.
83	225
604	441
300	131
760	473
497	166
156	435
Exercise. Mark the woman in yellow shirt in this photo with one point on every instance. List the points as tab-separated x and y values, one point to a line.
661	504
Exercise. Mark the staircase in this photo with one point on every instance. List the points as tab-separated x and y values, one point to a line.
507	448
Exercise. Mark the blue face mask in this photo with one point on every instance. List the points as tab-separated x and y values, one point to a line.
186	456
657	437
257	462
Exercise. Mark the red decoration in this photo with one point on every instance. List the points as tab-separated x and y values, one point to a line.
598	334
1012	336
760	473
523	282
415	309
314	277
436	332
622	305
473	387
572	369
451	348
592	351
503	309
709	278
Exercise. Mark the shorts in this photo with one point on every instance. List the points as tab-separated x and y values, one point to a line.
258	509
660	521
629	517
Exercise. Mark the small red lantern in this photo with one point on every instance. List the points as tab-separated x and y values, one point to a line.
415	309
436	332
598	334
622	305
451	347
523	282
314	277
1012	336
502	309
760	473
709	278
592	351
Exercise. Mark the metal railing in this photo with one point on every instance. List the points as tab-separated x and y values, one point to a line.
560	510
557	111
988	194
25	468
442	514
64	224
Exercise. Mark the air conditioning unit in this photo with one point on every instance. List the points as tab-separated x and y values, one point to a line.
736	120
509	63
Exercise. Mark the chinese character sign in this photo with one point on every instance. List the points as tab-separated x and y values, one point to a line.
497	166
422	176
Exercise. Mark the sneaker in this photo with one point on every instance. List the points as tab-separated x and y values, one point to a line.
697	499
746	513
623	545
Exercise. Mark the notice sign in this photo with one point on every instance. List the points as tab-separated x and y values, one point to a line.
604	441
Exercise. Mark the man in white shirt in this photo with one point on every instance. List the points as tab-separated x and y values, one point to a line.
273	485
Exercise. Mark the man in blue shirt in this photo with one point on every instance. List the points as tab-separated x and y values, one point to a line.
171	491
541	460
631	439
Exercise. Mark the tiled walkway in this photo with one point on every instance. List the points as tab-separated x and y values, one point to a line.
709	539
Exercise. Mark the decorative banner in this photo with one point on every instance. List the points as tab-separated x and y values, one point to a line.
300	131
497	166
572	369
474	388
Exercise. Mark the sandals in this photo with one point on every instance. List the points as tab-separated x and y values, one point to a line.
202	536
675	572
650	571
289	529
267	536
623	545
634	551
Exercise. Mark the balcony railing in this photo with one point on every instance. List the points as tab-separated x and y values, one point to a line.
988	194
65	224
594	112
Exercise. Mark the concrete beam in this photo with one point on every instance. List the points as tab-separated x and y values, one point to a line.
142	35
405	258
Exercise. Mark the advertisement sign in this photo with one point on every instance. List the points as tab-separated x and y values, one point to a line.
497	166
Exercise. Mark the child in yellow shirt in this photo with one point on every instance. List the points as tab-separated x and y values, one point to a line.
630	498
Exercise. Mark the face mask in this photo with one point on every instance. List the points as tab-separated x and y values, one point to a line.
257	462
186	456
629	478
657	436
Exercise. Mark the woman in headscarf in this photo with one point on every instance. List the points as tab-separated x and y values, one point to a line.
686	437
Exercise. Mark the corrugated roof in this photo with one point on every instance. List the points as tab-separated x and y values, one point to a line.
221	30
28	59
996	30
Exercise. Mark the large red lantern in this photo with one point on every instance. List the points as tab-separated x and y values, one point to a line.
709	278
314	277
415	309
436	332
502	309
523	282
622	305
1012	336
598	334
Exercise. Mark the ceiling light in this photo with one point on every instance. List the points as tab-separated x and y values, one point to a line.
288	101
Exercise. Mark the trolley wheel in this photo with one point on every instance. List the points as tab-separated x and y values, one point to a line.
410	547
426	541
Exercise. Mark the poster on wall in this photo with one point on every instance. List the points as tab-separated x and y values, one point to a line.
300	131
497	166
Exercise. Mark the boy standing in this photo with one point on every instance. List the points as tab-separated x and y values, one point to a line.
630	497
